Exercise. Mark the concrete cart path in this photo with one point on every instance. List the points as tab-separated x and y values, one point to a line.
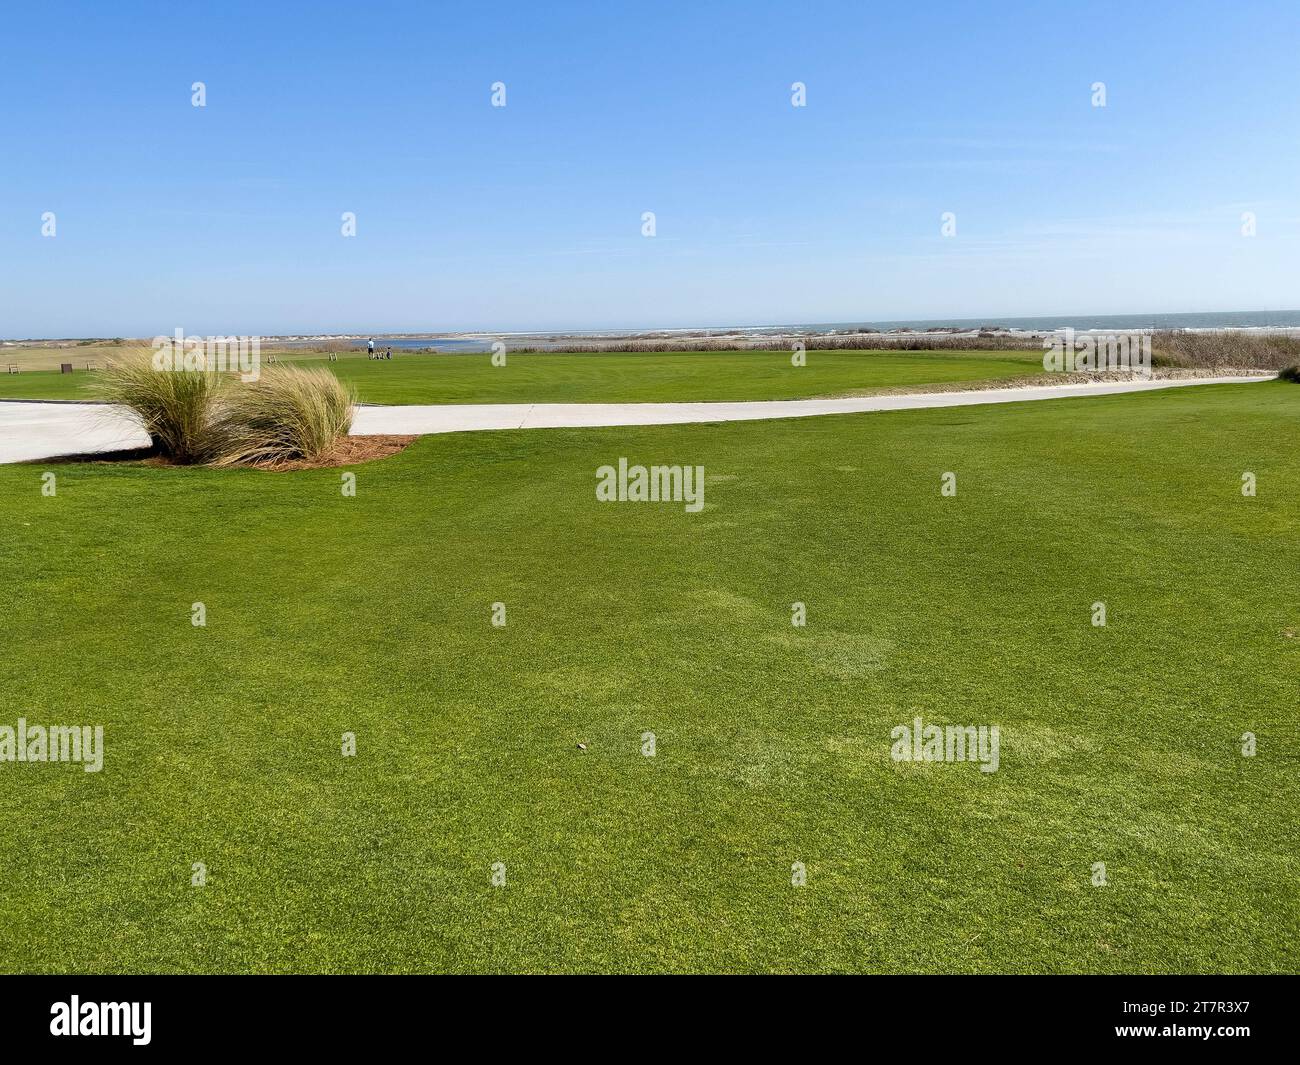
452	418
31	430
44	430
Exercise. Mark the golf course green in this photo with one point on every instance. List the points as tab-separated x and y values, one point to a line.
372	614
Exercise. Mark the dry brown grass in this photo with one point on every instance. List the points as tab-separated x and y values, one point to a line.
1211	351
851	342
1226	350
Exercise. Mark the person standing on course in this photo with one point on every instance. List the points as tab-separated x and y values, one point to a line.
370	348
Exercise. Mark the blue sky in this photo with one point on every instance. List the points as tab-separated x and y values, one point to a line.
227	218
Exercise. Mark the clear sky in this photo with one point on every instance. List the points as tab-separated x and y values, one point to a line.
227	218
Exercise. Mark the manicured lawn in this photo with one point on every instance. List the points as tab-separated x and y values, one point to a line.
610	378
48	384
371	614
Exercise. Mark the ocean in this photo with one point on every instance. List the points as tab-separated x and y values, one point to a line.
1208	320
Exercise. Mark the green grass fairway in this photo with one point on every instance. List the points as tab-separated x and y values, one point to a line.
47	384
615	378
669	376
371	615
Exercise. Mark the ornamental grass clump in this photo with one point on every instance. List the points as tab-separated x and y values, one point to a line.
175	407
200	416
288	414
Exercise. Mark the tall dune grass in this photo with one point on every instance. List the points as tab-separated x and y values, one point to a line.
288	414
202	416
1229	349
174	407
856	342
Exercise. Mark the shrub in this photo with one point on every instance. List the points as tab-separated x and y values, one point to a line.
1291	373
289	413
175	407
